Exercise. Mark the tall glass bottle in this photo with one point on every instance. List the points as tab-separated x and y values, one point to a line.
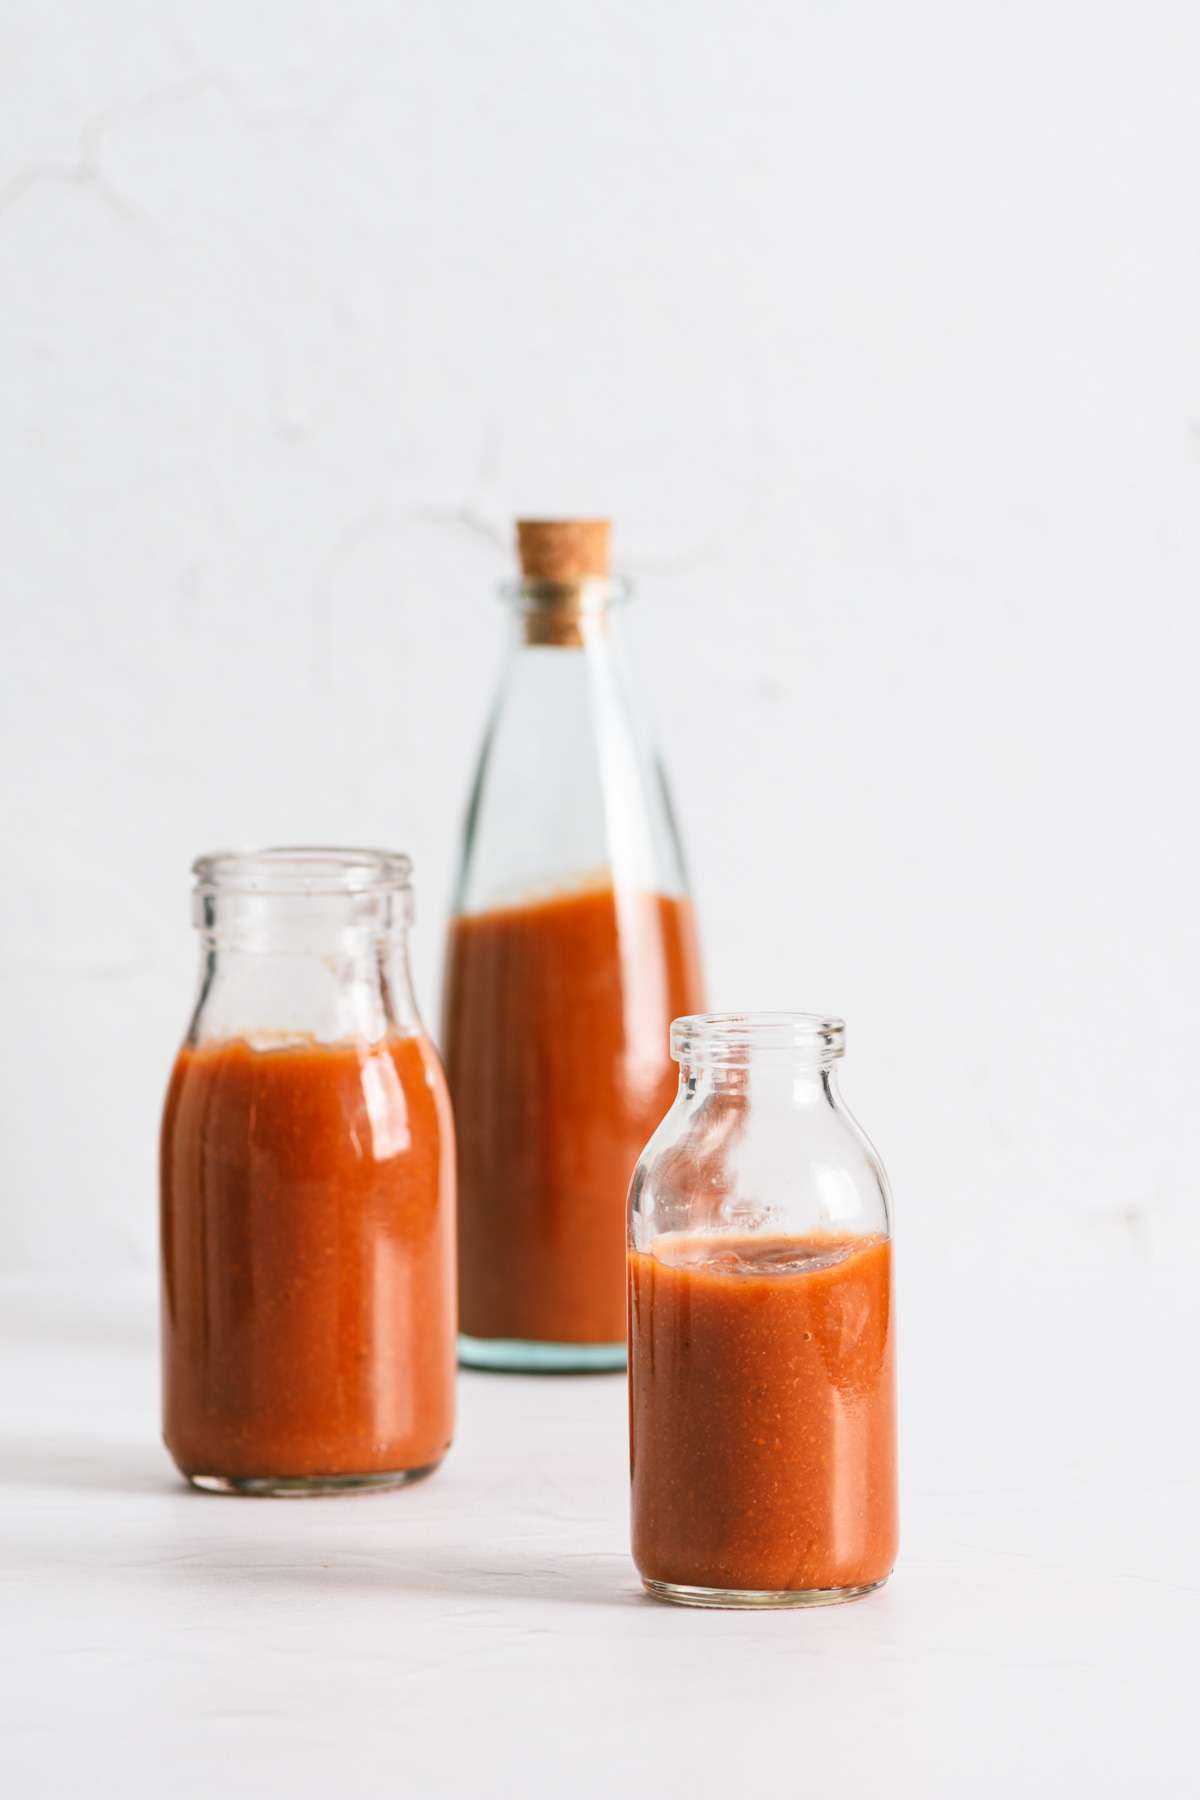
572	946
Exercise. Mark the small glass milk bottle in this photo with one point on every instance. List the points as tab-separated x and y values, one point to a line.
307	1188
572	946
761	1327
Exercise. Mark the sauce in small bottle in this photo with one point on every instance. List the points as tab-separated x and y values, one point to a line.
763	1400
761	1328
307	1195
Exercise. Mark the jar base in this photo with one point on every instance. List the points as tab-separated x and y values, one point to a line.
527	1356
299	1487
756	1599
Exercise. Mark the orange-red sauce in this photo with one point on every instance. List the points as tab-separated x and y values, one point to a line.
556	1021
762	1411
307	1220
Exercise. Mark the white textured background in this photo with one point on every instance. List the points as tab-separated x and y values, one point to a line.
877	329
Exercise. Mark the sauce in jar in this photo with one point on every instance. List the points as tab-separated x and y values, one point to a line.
556	1018
307	1220
762	1408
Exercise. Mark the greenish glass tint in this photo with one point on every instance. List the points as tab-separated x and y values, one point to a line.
522	1356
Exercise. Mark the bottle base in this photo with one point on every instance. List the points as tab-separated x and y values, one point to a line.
526	1356
285	1487
756	1599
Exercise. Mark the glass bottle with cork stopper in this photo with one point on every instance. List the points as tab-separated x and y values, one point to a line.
572	946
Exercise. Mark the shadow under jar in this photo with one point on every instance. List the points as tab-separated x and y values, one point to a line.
307	1188
761	1327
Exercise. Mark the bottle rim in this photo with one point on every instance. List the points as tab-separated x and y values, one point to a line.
296	869
732	1038
592	593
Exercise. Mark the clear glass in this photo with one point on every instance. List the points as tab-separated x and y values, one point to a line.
572	945
569	788
307	1188
761	1327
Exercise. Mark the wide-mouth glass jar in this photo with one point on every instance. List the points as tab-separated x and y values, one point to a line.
761	1327
307	1187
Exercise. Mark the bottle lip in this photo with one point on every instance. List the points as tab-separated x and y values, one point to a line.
733	1038
591	593
302	869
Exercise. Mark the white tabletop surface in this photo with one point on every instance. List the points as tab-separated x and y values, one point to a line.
483	1633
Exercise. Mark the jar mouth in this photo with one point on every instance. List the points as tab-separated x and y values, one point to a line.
730	1039
301	869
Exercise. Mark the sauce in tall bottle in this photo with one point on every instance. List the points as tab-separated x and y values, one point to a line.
572	947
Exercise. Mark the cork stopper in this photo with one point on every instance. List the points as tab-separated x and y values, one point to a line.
563	549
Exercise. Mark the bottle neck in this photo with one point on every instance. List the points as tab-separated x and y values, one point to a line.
324	966
357	987
303	944
567	615
568	790
788	1056
764	1082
